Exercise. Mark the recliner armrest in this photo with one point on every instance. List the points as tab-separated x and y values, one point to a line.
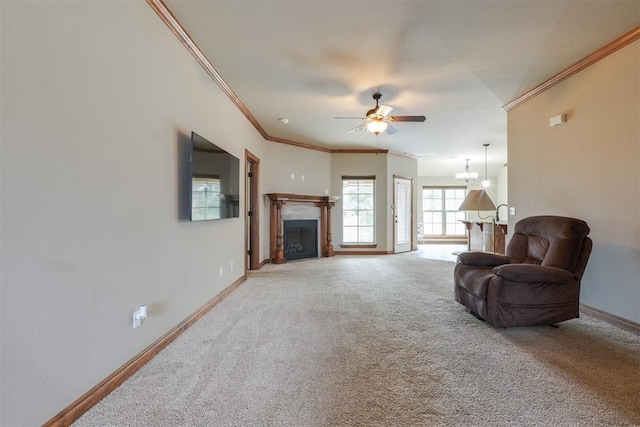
528	273
482	259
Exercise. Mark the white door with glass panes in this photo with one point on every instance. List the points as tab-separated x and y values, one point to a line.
440	214
402	214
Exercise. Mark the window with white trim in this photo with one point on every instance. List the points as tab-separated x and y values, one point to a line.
358	214
440	215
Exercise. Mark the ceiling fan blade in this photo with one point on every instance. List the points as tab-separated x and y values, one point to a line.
357	129
356	118
408	118
391	130
384	110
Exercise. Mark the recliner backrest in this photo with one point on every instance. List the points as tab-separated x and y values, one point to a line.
554	241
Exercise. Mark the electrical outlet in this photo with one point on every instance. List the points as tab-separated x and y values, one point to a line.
221	271
512	210
301	177
231	266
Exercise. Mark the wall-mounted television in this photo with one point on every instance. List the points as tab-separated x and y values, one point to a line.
215	181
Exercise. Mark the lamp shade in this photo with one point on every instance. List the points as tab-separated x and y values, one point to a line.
477	200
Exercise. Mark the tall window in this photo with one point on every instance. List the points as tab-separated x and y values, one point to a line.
440	215
358	197
205	198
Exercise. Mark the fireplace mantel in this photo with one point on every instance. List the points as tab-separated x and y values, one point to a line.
276	228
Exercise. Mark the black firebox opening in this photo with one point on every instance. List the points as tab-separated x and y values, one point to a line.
300	239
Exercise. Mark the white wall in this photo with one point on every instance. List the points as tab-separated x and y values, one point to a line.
587	168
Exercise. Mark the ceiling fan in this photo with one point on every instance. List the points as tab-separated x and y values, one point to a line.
378	119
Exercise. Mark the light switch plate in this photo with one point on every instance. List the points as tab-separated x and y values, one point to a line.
136	320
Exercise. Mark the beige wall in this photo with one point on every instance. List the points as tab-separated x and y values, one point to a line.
94	152
383	167
98	102
291	169
502	193
587	168
310	170
343	164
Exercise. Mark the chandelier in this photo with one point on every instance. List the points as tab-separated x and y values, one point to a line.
466	175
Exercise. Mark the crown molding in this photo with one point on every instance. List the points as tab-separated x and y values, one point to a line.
606	50
298	144
401	154
178	29
360	151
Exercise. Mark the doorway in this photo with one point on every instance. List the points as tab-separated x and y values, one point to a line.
252	243
402	214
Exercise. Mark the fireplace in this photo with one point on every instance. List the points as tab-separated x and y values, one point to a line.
300	239
299	207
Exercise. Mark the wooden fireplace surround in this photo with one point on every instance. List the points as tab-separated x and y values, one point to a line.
276	223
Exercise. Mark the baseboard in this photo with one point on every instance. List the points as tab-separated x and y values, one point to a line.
362	252
443	241
85	402
612	319
74	411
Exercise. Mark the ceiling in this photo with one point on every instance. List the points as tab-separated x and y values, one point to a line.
455	61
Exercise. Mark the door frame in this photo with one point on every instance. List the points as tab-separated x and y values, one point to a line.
252	215
410	179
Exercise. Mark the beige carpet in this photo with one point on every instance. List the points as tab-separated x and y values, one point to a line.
375	341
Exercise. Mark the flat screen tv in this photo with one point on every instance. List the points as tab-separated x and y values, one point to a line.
215	181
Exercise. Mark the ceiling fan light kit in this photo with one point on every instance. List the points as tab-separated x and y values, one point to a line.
377	119
377	126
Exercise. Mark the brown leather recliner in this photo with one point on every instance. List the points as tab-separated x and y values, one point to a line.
537	282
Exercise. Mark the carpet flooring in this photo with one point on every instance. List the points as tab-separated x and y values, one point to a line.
375	341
